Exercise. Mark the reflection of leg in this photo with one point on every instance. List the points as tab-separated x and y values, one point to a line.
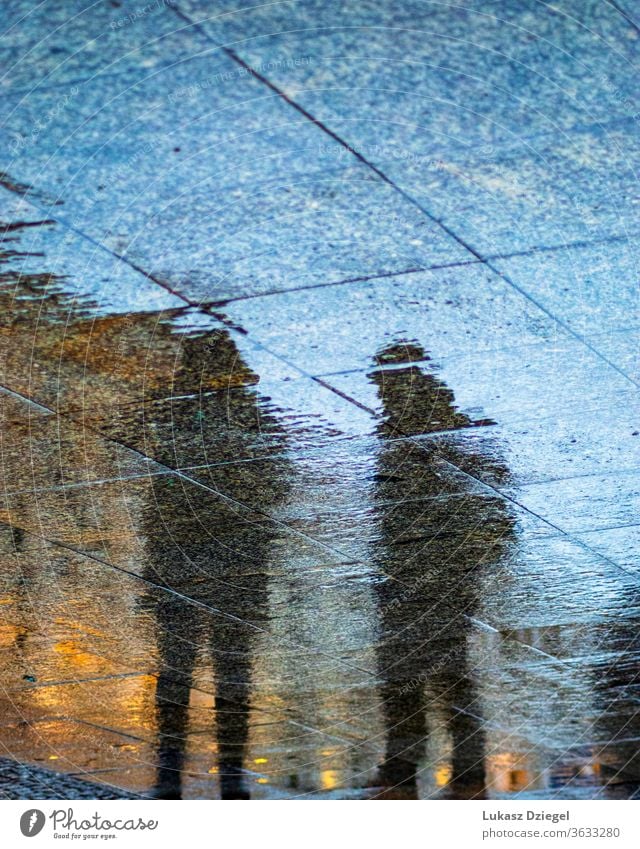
172	704
231	647
405	722
468	771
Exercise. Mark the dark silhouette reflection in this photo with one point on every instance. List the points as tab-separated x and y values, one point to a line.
437	529
613	756
216	553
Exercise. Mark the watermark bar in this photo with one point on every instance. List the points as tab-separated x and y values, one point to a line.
123	824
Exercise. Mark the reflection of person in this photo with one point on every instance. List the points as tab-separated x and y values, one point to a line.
215	552
437	531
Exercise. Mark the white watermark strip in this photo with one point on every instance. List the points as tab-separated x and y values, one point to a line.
336	824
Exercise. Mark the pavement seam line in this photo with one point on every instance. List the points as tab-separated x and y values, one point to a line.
408	197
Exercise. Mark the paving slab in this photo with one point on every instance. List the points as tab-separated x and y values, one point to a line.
92	323
465	310
67	746
267	206
80	41
621	349
40	256
595	501
474	72
617	544
555	192
591	288
42	452
628	12
520	385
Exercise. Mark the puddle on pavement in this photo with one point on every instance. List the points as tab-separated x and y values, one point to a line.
311	608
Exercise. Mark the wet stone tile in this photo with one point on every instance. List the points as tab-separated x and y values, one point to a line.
463	311
413	117
276	759
46	593
287	768
454	754
296	45
207	120
268	208
519	770
188	603
121	520
43	452
628	12
13	539
590	288
305	233
330	723
621	761
619	545
584	504
57	619
589	643
545	708
569	444
91	701
31	657
596	697
163	632
140	781
413	531
553	581
555	194
280	417
317	230
620	348
176	624
82	43
67	746
143	706
40	256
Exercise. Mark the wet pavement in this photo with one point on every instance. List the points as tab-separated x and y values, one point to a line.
318	384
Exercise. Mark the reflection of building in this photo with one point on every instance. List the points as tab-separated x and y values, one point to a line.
438	532
554	691
66	350
74	362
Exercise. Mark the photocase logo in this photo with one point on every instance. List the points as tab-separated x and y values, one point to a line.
32	822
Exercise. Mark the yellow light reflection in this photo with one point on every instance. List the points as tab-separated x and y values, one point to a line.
9	634
329	779
443	775
74	655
